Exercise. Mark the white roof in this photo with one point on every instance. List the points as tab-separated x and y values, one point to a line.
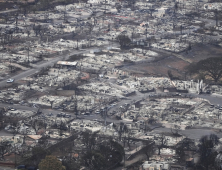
67	63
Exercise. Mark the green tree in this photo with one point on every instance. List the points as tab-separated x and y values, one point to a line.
149	149
38	153
51	163
71	165
94	160
181	147
123	40
169	72
207	152
118	7
211	67
5	147
89	139
119	151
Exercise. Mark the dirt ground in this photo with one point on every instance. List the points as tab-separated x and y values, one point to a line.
201	52
176	65
160	67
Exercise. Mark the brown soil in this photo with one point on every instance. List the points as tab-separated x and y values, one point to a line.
161	67
166	62
201	52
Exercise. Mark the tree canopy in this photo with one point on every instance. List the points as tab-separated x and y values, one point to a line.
105	154
211	67
149	148
184	145
207	151
51	163
89	139
123	40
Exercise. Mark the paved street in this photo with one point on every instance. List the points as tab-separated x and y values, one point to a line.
51	62
213	99
40	66
8	11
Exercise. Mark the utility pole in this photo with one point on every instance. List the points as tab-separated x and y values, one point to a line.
216	17
77	45
28	54
132	34
90	39
10	66
105	6
16	22
14	133
15	159
181	28
64	16
28	51
103	23
76	105
105	116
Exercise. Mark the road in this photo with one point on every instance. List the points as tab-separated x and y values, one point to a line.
195	134
8	11
37	68
51	62
46	112
213	99
64	57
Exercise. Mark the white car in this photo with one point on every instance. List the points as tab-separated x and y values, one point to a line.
97	112
10	80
